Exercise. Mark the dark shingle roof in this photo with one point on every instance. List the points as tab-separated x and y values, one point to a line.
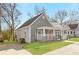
29	21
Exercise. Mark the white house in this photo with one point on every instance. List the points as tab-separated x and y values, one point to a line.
39	28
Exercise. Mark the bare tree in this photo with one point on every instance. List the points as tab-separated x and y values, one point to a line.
0	19
61	15
54	19
37	10
73	15
0	23
10	15
30	14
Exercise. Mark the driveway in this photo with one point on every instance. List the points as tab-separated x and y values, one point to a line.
13	49
10	46
72	49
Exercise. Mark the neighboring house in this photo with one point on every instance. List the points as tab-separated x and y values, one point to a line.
74	28
39	28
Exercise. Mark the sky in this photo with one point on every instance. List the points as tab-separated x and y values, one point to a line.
51	8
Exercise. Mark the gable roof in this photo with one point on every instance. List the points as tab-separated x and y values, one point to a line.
56	26
29	21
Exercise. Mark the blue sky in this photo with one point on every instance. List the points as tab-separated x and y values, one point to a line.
51	8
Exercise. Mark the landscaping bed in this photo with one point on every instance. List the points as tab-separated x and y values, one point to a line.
38	48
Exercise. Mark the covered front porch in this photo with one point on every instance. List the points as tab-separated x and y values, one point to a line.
47	33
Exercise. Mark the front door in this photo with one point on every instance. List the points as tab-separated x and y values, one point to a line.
39	34
50	35
57	33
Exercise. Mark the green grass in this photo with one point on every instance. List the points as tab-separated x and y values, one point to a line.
74	39
8	42
38	48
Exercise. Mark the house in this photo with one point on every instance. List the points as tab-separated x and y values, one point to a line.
28	30
39	28
73	27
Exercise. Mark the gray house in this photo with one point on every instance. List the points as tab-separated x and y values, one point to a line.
39	28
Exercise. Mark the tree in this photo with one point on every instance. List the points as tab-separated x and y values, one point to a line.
54	19
6	34
73	15
10	15
60	16
39	10
0	19
1	36
30	14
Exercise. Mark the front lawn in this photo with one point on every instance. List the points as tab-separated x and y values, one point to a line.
38	48
74	39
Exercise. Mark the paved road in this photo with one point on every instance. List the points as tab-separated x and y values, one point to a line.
72	49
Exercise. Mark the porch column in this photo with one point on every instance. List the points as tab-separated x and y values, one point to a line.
54	32
62	32
43	32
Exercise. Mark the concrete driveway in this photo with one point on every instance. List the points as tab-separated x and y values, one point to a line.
15	52
72	49
13	49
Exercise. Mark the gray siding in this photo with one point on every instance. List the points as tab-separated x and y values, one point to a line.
38	23
21	33
77	31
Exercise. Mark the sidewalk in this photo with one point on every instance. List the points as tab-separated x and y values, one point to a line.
72	49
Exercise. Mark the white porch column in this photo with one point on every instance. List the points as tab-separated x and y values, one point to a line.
62	32
43	32
53	32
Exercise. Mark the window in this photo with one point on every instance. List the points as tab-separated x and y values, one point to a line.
52	31
57	32
40	31
68	32
71	32
43	17
46	31
64	31
15	36
25	34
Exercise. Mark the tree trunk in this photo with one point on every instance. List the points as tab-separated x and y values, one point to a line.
13	30
13	35
0	26
0	19
74	33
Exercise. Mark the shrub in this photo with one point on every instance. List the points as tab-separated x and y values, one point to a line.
1	40
68	36
22	40
6	34
60	37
